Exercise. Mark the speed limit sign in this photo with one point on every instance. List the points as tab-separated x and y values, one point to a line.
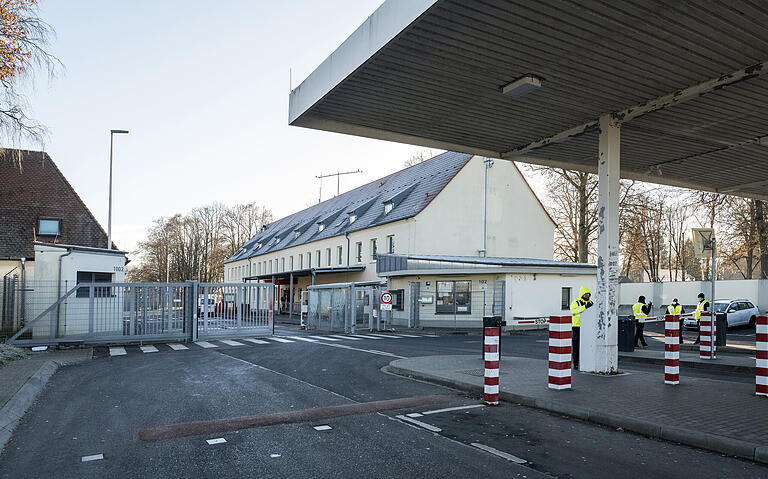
386	301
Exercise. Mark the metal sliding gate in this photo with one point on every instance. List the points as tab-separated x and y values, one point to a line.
93	313
345	307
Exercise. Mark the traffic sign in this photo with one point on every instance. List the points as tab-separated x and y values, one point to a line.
386	297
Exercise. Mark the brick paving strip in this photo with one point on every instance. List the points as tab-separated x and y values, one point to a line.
172	431
721	416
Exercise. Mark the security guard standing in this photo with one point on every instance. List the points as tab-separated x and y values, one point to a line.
640	311
702	305
677	308
578	306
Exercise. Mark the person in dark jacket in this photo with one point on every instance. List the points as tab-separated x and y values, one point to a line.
640	311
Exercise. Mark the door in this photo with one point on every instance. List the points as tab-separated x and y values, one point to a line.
363	308
415	293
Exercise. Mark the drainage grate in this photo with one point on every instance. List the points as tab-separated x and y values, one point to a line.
474	372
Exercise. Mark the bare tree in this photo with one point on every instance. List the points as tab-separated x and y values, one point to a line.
418	157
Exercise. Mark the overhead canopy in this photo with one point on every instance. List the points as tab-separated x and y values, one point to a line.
685	79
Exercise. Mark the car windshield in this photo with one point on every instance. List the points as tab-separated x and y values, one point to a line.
721	307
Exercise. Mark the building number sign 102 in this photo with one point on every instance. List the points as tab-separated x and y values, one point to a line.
386	301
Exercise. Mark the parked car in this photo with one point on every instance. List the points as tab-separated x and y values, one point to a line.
227	306
206	305
738	312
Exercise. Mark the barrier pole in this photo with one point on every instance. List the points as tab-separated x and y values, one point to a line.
761	356
672	349
492	359
707	331
560	352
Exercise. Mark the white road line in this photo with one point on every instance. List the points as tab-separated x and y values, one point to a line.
148	349
94	457
322	428
218	440
350	338
280	340
364	336
206	344
370	351
424	425
430	336
229	342
300	338
117	351
408	335
325	338
415	414
502	454
274	455
458	408
255	341
386	336
177	346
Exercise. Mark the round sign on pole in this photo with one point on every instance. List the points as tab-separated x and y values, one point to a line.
386	297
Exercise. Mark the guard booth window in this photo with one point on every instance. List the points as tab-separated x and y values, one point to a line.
565	302
453	297
93	277
397	299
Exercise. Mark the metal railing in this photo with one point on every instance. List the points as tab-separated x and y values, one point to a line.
226	309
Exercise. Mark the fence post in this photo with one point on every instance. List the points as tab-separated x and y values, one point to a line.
672	349
192	302
707	331
492	360
761	356
132	313
91	292
270	312
560	352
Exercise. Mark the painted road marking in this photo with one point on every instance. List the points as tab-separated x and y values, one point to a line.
280	340
93	457
148	349
274	455
255	341
371	351
229	342
387	336
218	440
206	344
346	337
415	414
322	428
458	408
364	336
326	338
299	338
424	425
117	351
177	346
502	454
408	335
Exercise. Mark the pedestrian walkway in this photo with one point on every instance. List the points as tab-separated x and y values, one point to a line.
725	361
718	415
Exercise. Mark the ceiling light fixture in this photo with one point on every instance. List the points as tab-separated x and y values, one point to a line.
521	86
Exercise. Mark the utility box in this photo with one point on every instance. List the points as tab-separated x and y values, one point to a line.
626	334
721	326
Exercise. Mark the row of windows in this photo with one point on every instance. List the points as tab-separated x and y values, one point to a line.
306	261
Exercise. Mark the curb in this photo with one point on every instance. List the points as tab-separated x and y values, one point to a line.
14	409
711	366
701	440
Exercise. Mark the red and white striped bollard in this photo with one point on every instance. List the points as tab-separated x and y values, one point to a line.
761	356
492	359
560	352
707	335
672	349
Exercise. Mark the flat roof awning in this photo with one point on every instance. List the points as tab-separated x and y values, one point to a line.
415	264
686	81
283	275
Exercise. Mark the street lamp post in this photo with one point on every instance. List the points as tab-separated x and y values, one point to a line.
109	215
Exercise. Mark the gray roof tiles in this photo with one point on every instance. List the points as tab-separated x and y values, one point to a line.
412	188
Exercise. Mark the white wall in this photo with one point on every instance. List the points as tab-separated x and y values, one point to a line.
518	225
539	295
686	292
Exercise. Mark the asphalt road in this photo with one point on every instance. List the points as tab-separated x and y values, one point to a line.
101	406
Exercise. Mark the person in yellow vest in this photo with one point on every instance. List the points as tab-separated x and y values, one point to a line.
702	305
578	306
640	311
677	308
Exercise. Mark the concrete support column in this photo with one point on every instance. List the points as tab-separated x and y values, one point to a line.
599	334
290	298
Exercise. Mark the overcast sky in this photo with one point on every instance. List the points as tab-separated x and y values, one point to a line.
203	88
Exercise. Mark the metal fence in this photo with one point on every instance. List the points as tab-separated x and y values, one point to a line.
417	307
51	313
346	307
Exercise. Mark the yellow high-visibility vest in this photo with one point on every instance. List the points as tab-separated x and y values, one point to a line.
672	309
637	310
700	308
577	307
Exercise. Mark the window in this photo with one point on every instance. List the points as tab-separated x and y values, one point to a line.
328	256
352	218
453	297
270	267
309	260
317	258
93	277
373	249
391	244
301	261
320	227
291	263
388	206
359	252
397	299
277	240
565	301
259	268
282	264
296	234
340	253
49	227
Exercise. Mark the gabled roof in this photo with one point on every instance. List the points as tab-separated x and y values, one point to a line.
35	188
414	187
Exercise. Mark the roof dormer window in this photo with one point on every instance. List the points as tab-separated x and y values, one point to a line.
277	239
49	227
296	234
320	227
352	218
388	206
258	245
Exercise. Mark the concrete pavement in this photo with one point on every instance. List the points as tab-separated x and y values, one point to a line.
720	416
